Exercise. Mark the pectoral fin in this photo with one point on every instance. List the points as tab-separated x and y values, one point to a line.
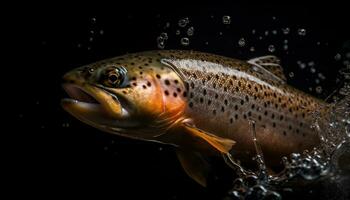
194	165
223	145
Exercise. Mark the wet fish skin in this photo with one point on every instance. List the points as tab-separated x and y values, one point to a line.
198	102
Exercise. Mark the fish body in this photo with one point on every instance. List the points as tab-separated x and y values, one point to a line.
198	102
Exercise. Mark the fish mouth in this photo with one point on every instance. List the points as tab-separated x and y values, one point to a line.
96	106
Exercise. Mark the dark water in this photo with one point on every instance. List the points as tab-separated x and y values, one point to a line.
52	154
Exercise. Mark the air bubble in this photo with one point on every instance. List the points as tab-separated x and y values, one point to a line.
185	41
183	22
226	19
164	35
285	30
190	31
160	42
271	48
301	31
241	42
337	57
319	89
312	70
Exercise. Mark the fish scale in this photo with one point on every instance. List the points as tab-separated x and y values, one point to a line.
278	128
203	104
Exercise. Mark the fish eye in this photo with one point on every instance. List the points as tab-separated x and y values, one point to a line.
115	77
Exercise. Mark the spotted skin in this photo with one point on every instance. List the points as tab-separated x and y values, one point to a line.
219	95
225	93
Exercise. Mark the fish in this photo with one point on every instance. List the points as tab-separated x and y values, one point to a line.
200	103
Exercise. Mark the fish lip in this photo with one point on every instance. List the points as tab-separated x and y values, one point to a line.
80	96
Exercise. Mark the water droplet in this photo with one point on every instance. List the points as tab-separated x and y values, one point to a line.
167	25
226	19
79	45
252	49
260	38
206	43
274	32
273	18
190	31
183	22
91	39
220	33
178	32
164	35
285	30
317	81
312	70
301	31
253	31
285	47
271	48
291	74
266	33
311	63
160	148
337	57
318	43
319	89
105	148
321	76
93	20
102	32
185	41
92	32
285	41
241	42
160	42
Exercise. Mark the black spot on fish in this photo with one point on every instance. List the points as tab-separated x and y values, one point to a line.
158	76
242	102
175	94
148	84
167	82
184	94
166	92
178	90
222	109
204	92
216	96
236	107
201	100
226	102
214	112
176	81
209	102
231	120
190	104
192	85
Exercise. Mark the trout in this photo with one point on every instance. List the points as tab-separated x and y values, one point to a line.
200	103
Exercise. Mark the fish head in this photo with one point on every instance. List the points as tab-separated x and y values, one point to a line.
134	96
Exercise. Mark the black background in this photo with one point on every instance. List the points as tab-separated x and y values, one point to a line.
49	159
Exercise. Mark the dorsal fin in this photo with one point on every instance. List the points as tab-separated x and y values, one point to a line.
270	65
